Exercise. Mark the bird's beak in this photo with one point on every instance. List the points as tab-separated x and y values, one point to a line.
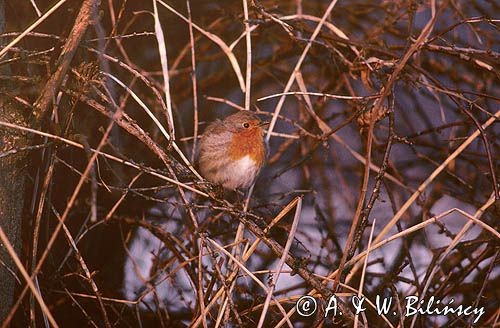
264	123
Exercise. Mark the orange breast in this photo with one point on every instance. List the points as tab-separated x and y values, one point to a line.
248	143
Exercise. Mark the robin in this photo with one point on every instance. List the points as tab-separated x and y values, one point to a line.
232	151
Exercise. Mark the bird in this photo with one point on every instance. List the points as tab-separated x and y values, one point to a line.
232	151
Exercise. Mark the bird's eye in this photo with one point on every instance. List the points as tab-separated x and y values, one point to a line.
246	125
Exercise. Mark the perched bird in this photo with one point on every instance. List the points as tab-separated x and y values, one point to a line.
232	151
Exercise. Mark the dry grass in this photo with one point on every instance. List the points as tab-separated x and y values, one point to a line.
383	112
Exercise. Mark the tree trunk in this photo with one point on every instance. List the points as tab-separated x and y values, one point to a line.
13	175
